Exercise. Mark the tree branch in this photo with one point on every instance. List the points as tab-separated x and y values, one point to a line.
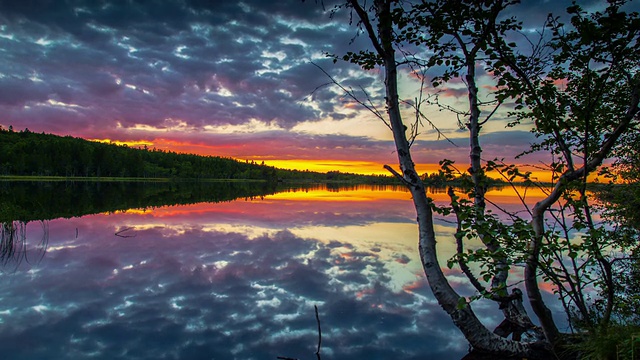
364	19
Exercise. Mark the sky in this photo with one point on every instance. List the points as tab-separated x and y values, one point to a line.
225	78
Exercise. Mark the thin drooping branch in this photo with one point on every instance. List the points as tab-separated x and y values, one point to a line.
513	185
8	240
370	106
14	244
488	117
421	116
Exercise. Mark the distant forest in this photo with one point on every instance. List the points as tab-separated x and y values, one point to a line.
25	153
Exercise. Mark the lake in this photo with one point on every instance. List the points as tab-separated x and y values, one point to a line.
221	271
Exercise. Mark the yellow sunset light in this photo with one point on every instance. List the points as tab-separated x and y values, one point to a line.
347	166
129	143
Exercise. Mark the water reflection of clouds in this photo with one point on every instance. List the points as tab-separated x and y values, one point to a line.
206	294
234	280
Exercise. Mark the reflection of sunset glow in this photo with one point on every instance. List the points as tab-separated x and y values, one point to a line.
509	195
361	193
388	199
368	217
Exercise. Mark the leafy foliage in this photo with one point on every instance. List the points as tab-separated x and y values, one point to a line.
577	89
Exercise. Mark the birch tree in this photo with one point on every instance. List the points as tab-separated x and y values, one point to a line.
579	122
379	24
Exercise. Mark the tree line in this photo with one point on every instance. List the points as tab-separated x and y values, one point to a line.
26	153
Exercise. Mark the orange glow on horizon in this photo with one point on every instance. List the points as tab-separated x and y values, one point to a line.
129	143
175	146
195	148
345	166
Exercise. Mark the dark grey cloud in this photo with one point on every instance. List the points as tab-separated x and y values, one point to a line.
205	62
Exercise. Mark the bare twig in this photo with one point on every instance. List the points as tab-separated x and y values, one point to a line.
319	332
421	116
119	233
349	93
319	338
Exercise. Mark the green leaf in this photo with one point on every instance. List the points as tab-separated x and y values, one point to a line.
462	303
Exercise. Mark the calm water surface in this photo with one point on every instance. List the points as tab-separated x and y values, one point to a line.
231	280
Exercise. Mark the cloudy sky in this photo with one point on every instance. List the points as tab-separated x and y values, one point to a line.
228	78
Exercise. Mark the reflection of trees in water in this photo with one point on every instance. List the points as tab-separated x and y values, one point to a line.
29	201
15	247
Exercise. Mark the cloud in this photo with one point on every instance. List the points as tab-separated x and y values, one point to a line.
141	63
